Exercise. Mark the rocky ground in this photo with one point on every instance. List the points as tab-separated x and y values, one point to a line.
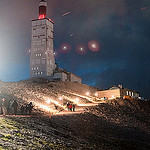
113	125
109	125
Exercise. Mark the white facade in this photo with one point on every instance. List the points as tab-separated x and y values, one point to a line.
60	76
42	62
74	78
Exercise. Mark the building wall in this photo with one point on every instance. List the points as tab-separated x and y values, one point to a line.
128	92
61	76
64	77
74	78
42	62
108	93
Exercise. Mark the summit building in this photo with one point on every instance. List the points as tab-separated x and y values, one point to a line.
42	60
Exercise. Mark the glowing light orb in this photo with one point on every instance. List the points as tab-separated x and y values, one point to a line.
65	48
87	93
96	94
48	101
94	46
77	99
60	98
81	49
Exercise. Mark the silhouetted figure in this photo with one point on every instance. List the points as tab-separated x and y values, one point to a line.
4	105
26	109
30	107
0	106
70	107
50	116
9	107
73	107
15	106
56	107
22	109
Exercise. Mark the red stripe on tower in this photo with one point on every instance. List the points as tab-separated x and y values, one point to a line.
42	9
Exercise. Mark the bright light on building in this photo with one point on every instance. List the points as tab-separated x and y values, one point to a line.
41	16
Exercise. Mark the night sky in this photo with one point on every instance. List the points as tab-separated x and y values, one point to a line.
121	27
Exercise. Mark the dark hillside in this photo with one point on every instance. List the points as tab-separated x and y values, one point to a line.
110	125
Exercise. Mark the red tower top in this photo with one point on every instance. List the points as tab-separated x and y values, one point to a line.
42	9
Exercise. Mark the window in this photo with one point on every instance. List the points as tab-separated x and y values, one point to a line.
127	93
38	54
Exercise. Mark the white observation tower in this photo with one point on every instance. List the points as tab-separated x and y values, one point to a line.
42	61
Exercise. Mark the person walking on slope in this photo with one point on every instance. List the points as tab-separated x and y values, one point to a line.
15	105
22	109
30	107
9	107
0	106
70	107
4	105
73	107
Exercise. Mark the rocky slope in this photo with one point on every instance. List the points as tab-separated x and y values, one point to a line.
115	124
